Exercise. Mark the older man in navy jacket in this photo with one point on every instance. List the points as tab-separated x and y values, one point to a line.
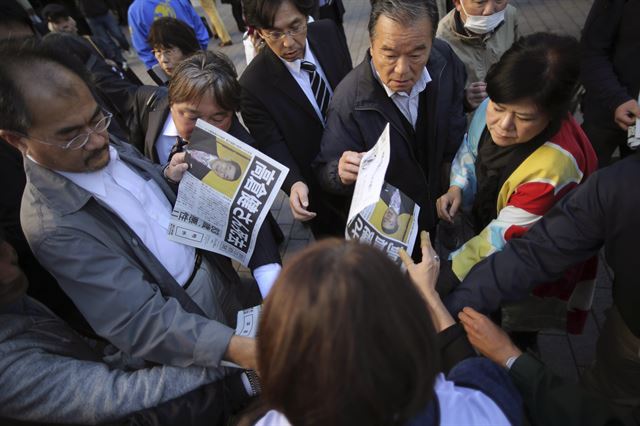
415	83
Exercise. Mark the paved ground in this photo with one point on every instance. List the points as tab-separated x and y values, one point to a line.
567	355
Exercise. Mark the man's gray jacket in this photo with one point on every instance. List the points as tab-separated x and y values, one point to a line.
119	286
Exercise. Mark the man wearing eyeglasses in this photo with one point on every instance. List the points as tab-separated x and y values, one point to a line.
285	94
203	86
96	213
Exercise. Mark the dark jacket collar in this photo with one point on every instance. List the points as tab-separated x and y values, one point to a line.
282	79
366	97
157	117
370	93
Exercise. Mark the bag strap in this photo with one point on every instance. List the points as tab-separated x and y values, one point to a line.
88	38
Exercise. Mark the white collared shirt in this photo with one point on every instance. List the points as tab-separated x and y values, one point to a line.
302	77
407	103
166	140
142	205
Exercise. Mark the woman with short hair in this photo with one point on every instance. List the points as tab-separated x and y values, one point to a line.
172	41
523	152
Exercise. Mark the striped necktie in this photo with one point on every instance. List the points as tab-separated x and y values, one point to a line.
318	87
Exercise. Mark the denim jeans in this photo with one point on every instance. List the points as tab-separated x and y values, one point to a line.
106	27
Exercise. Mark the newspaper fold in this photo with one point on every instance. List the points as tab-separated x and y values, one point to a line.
225	196
247	326
633	133
380	214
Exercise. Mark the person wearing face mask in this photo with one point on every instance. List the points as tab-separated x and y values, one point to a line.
479	32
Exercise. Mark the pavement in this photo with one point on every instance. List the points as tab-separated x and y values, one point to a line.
568	356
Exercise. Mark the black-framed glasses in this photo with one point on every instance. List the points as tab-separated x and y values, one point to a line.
82	139
279	35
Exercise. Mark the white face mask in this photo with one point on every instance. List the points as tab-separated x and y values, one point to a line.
483	24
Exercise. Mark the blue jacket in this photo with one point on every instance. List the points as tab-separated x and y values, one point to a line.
142	13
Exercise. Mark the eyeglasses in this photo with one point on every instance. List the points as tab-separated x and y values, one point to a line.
82	139
279	35
168	52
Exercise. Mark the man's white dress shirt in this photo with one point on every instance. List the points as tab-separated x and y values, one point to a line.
302	77
166	140
142	205
407	103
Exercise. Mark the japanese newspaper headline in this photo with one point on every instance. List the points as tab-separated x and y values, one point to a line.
225	196
380	214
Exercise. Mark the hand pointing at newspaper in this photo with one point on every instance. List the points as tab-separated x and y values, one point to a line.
425	275
348	166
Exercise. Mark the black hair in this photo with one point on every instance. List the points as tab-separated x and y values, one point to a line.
70	43
33	57
261	14
53	12
541	67
404	12
170	32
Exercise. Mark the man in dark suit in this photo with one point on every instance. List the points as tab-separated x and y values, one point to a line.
285	93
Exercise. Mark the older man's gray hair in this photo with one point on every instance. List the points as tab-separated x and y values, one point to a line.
204	74
405	12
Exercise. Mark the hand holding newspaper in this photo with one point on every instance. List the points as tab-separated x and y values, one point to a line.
247	326
225	196
380	214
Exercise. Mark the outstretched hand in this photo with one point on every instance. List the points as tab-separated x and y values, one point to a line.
489	339
423	274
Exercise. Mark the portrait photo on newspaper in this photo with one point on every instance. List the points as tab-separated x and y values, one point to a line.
389	224
225	196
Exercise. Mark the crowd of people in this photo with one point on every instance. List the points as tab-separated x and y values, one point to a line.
105	320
